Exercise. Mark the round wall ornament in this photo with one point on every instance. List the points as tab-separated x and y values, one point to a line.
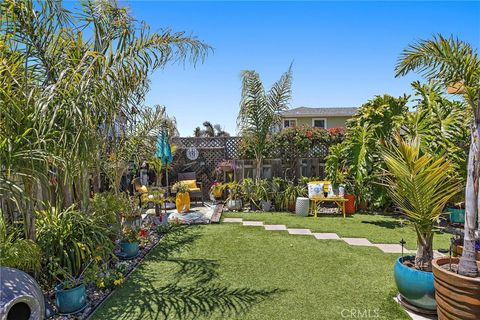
192	153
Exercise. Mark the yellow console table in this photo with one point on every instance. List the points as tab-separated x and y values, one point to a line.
338	200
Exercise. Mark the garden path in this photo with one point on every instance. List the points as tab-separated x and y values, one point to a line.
385	247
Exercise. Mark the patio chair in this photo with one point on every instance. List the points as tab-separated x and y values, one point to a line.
195	187
139	189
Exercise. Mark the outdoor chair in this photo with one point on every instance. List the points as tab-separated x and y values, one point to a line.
195	188
139	189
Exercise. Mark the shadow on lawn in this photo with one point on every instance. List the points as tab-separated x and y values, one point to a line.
189	295
389	224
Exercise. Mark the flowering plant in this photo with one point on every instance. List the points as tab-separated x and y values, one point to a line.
131	234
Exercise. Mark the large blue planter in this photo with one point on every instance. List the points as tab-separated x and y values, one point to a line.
129	249
70	301
456	215
415	286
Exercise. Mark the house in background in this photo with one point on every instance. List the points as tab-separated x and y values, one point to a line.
325	118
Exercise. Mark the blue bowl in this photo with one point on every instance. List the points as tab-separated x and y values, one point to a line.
130	249
72	300
415	286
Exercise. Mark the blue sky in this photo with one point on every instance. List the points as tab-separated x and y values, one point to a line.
344	52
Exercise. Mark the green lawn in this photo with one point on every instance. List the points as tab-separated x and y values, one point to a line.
376	228
228	271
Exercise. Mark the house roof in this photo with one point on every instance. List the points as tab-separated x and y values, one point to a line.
319	112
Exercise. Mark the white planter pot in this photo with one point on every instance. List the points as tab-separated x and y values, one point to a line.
302	206
266	205
234	204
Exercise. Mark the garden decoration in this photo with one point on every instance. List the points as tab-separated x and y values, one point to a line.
182	200
21	298
421	186
234	198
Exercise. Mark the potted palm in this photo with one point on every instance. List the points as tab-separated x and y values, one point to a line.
182	199
421	185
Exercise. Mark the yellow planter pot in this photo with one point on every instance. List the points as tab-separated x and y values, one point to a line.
182	202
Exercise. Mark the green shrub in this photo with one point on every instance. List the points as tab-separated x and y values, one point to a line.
15	252
69	239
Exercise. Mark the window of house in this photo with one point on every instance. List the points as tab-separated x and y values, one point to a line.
289	123
319	123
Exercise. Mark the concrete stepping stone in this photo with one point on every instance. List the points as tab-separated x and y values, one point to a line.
300	231
275	227
358	242
390	248
253	223
326	236
238	220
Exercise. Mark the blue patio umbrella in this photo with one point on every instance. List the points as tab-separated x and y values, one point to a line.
164	153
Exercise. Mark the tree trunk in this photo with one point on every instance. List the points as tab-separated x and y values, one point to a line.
424	256
258	172
467	266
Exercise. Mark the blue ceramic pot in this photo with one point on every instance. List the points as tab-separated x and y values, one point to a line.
72	300
456	215
130	249
415	286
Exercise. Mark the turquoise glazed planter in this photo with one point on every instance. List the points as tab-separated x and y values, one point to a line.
70	301
415	286
130	249
456	215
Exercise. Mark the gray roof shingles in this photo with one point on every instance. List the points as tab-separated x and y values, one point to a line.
319	112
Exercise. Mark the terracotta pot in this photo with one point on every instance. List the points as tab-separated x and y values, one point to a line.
291	206
458	250
458	297
182	202
350	204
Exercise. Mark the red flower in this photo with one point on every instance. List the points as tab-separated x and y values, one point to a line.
309	134
143	233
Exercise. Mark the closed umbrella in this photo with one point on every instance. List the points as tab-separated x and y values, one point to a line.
164	153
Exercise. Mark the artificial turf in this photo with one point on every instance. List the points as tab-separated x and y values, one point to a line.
377	228
228	271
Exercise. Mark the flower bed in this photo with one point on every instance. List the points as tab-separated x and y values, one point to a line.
96	295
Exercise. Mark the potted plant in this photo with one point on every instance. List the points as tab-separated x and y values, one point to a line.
457	211
291	193
182	199
216	190
264	194
70	292
234	198
421	185
129	242
248	192
225	166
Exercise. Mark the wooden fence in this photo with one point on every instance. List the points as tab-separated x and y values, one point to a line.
201	155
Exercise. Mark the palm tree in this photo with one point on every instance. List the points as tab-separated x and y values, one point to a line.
451	61
63	94
260	111
420	185
211	130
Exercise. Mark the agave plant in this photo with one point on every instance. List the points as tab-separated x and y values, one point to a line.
421	185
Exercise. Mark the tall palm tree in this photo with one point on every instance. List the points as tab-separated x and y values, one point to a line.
452	61
260	110
62	94
211	130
